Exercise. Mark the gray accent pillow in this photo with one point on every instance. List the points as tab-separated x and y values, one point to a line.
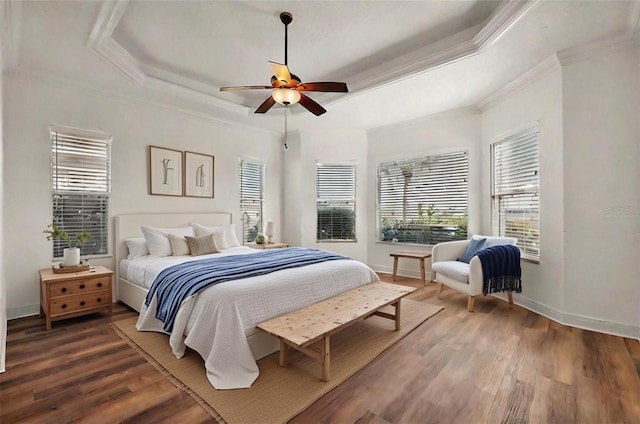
202	245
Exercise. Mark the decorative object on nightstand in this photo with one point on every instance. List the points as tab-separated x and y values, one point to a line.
269	231
269	246
71	254
260	239
73	294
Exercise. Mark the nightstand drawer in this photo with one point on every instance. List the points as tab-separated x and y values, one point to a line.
65	288
69	304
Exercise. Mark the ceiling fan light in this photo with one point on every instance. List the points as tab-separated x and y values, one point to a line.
286	96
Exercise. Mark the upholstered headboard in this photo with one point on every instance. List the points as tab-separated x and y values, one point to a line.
128	225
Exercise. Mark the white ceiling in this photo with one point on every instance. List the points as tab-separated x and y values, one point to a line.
401	59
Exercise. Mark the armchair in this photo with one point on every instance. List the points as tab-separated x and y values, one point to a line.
461	276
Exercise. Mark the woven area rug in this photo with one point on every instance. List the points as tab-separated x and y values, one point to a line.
279	393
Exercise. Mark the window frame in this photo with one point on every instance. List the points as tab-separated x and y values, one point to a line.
343	195
528	239
81	186
249	228
452	222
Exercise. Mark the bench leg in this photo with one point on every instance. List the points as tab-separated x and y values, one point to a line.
422	272
283	358
395	268
325	359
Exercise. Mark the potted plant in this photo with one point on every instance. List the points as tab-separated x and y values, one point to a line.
71	253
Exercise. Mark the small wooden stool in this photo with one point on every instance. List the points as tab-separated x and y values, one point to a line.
410	255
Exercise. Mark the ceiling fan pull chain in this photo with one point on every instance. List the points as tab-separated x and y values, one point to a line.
285	126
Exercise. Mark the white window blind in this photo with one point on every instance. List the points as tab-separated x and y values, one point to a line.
336	202
516	200
423	200
251	199
81	183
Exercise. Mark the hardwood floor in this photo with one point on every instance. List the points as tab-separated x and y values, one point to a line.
499	364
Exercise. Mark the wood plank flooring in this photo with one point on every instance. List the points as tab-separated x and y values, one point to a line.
499	364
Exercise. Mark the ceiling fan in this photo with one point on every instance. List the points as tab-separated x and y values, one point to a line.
286	87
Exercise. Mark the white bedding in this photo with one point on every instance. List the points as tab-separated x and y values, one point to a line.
217	322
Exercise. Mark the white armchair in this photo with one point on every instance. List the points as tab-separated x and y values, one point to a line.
458	275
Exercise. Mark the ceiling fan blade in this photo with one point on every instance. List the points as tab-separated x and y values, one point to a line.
246	87
281	72
311	105
333	87
268	104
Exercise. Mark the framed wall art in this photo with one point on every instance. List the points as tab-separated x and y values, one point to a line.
165	171
198	175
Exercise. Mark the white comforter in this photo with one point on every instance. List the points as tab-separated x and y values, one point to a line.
216	322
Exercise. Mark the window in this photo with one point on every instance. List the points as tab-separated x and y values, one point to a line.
516	200
251	199
423	200
336	202
81	177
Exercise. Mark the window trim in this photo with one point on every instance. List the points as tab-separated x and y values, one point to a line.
353	200
418	157
523	131
89	135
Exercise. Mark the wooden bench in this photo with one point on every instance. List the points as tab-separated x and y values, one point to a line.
411	255
317	322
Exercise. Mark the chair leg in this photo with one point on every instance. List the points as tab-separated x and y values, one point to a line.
440	290
470	303
510	294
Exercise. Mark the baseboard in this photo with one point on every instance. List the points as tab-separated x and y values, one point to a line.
571	320
25	311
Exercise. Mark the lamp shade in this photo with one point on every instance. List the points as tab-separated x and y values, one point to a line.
269	229
285	96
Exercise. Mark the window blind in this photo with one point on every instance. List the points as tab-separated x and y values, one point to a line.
81	184
336	202
515	188
424	200
251	199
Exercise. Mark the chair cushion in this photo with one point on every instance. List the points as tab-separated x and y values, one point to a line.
457	270
473	247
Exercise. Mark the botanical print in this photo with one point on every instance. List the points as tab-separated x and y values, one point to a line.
198	174
165	171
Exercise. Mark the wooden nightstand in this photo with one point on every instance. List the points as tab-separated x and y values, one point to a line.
269	246
70	295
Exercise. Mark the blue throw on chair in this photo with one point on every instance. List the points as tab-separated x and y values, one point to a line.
501	268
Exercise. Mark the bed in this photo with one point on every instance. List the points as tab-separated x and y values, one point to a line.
219	323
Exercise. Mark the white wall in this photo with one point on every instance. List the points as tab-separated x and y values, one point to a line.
33	103
539	102
305	149
454	130
3	279
602	185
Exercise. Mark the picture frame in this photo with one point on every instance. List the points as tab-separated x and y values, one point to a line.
165	171
198	174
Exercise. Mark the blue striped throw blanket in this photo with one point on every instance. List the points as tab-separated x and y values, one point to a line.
176	283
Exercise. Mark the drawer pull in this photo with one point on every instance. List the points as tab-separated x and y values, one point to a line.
82	303
63	290
81	286
99	299
99	284
64	306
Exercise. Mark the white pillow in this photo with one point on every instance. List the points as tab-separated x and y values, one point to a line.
495	241
224	236
179	245
158	241
137	247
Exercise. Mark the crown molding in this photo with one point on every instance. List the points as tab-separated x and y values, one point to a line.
457	47
597	48
10	23
501	21
541	70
